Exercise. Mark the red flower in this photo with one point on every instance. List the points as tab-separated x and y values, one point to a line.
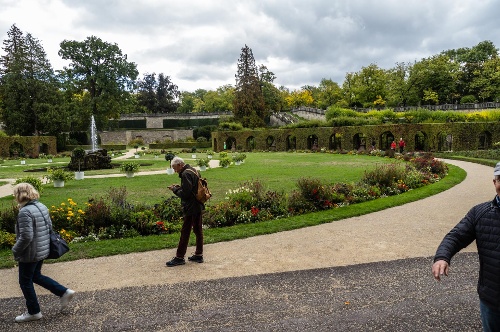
255	211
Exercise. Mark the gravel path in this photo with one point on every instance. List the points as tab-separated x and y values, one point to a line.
313	278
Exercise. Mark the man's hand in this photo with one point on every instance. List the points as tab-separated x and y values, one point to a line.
439	269
173	186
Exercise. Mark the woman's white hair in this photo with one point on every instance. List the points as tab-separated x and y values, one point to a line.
25	192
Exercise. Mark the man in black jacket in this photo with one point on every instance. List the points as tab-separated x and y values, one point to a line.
481	223
191	210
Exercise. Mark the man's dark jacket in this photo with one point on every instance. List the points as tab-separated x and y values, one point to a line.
187	190
481	223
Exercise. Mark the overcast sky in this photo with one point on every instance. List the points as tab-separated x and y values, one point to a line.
198	42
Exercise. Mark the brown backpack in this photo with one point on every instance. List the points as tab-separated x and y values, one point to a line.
203	194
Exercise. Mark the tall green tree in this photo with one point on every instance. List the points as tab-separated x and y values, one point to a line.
362	88
249	104
487	82
157	96
272	96
471	62
437	74
187	102
28	88
167	94
146	94
401	85
101	69
329	94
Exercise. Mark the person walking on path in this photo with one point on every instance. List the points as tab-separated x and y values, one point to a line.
393	145
191	210
31	248
481	223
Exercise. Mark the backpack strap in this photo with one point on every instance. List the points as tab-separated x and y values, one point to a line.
197	183
194	171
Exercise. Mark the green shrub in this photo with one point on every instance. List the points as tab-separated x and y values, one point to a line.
59	174
298	204
224	162
222	215
129	166
468	99
231	126
34	181
384	175
8	218
316	192
97	216
170	210
136	142
7	240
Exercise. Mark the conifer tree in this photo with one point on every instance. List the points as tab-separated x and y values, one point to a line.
28	88
249	105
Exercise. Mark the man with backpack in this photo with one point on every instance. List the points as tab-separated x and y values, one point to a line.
191	210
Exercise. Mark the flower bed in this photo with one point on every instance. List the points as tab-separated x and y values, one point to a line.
112	216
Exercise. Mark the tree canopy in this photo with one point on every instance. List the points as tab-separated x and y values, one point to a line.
99	80
28	88
100	69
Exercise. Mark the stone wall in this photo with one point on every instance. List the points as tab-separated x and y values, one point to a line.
148	136
155	121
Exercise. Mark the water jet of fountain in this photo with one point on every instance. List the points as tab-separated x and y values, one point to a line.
93	134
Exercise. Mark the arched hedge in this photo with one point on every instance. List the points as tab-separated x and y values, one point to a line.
423	137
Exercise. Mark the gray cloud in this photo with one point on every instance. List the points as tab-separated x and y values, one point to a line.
198	42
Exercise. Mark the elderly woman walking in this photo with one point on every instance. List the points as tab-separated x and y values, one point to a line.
31	248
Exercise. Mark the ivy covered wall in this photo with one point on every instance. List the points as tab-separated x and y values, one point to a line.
418	137
29	146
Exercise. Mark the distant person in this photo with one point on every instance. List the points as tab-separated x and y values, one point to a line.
191	210
482	224
373	144
31	248
402	145
393	145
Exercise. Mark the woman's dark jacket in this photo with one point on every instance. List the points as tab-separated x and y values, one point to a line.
481	223
187	192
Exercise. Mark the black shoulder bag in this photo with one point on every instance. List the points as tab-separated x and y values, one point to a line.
58	245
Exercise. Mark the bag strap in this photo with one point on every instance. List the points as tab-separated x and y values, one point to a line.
198	176
194	172
46	223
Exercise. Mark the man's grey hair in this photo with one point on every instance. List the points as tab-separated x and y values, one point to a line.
177	161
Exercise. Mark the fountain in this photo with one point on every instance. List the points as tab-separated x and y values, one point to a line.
93	134
94	158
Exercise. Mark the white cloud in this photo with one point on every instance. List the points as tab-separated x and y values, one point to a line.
197	42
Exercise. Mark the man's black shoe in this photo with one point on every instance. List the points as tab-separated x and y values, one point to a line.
196	258
176	261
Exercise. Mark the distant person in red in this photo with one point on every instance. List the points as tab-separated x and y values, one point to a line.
402	145
393	145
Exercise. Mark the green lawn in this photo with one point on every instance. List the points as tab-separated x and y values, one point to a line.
277	171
